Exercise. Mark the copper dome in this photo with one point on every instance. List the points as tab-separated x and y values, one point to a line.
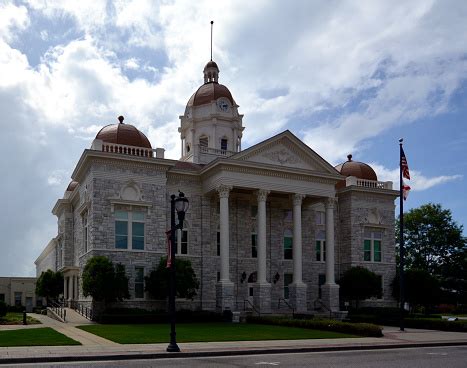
358	169
125	134
72	186
211	64
210	92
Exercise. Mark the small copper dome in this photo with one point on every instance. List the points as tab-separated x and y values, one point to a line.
210	92
72	186
358	169
125	134
211	64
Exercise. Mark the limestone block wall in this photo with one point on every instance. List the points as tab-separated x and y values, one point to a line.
358	211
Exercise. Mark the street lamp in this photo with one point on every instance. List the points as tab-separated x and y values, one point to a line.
180	205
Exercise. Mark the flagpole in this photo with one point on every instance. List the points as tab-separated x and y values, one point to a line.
401	240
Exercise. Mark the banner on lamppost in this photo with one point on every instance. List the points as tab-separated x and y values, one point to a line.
169	248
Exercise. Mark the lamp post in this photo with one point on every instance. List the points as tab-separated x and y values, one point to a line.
179	204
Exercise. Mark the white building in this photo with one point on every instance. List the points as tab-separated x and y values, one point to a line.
270	224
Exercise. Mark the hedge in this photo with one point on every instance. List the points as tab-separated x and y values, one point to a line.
122	316
360	329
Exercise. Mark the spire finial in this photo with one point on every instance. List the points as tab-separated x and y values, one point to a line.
349	157
120	119
212	24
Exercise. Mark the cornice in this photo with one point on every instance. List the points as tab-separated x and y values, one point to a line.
60	205
361	190
50	246
118	160
269	170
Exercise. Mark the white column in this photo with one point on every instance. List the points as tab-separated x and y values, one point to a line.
329	204
224	192
72	281
297	238
261	241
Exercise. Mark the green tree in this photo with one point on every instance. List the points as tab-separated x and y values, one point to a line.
157	283
421	288
49	284
104	282
432	239
359	283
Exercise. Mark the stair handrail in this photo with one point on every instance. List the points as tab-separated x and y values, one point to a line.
320	302
245	302
287	304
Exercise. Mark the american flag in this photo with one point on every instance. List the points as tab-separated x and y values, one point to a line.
169	248
404	165
405	190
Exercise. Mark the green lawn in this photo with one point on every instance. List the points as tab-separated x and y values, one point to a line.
196	332
14	318
43	336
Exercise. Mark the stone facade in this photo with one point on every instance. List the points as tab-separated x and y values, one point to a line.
271	227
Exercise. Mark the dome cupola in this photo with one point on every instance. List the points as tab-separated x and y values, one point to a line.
358	169
124	134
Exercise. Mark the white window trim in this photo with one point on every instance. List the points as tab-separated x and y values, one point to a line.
372	246
134	284
179	242
129	240
322	245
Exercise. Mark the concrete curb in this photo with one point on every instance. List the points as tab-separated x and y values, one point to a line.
138	355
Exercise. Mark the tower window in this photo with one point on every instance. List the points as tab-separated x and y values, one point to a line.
224	144
203	142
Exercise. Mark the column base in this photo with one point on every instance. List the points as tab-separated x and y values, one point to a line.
225	296
330	296
297	296
262	297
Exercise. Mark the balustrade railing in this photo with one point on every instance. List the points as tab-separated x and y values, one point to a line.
352	180
247	302
58	309
83	310
127	150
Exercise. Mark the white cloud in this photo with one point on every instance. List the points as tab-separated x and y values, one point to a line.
12	18
418	182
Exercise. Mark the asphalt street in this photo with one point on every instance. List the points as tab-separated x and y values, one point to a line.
445	357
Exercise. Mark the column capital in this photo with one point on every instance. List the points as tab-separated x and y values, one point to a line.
262	194
224	191
330	202
298	198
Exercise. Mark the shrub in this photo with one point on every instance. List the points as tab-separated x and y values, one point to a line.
3	309
359	283
360	329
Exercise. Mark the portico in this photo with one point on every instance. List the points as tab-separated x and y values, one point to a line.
283	182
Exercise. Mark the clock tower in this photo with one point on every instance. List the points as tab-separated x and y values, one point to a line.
211	126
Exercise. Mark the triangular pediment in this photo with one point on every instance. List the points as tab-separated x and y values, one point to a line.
286	150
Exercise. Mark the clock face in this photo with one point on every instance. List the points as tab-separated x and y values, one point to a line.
223	105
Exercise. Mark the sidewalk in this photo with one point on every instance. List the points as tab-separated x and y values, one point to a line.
97	348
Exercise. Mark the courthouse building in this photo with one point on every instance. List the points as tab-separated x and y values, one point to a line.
273	225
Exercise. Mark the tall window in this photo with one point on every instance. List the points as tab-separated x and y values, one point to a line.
288	215
129	230
254	250
203	142
288	278
218	243
254	211
85	232
288	242
139	282
320	218
2	297
372	245
224	144
18	298
181	241
320	246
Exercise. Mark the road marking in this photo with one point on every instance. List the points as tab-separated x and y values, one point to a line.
267	363
437	353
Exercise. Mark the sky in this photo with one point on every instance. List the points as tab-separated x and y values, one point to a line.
344	76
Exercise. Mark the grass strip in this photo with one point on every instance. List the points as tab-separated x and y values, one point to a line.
43	336
205	332
14	318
